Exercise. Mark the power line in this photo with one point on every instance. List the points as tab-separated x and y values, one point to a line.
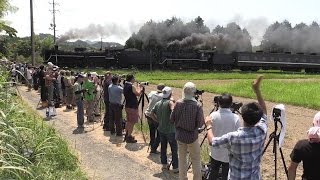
53	24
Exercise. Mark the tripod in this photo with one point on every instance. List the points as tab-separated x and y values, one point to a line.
275	137
141	101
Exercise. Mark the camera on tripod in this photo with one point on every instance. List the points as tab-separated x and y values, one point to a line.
276	113
199	92
235	107
144	83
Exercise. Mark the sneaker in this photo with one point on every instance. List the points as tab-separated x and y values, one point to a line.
176	170
80	127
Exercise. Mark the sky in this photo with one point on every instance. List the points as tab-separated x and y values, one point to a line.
255	15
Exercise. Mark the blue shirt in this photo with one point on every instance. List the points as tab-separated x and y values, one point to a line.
245	147
115	94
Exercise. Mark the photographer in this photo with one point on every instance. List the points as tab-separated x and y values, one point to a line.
247	143
130	93
161	112
106	84
115	97
89	97
188	117
307	151
78	91
223	122
154	97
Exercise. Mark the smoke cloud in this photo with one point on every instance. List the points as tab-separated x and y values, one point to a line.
95	31
282	37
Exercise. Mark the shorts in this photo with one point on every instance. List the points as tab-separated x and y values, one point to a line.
132	115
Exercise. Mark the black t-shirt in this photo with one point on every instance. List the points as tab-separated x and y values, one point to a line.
309	154
41	78
131	98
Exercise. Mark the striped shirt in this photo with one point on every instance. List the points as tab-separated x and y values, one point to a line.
246	147
187	117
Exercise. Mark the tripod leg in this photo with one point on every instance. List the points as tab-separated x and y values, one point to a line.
270	139
284	162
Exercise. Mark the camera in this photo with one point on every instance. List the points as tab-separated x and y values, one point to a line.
144	83
199	92
276	112
216	99
236	106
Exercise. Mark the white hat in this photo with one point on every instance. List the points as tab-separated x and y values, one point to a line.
166	92
188	91
50	63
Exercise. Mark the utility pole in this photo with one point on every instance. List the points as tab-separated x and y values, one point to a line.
32	33
53	24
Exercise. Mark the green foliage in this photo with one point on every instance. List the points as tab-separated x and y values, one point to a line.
5	7
29	149
19	49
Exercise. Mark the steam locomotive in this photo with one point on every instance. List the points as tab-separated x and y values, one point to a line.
200	59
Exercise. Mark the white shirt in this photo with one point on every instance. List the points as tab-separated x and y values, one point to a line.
154	97
223	122
29	74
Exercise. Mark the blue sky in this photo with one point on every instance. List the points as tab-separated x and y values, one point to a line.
255	15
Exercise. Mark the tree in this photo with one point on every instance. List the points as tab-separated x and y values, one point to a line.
5	7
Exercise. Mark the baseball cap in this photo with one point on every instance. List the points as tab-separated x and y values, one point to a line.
166	92
160	87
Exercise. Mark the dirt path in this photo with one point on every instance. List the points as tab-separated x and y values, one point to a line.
299	120
106	157
101	156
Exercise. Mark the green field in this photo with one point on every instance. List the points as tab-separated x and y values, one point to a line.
291	88
202	75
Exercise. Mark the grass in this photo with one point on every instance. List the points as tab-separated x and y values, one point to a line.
29	149
204	75
302	93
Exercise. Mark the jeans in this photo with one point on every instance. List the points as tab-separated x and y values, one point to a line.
115	118
215	167
165	139
154	134
80	112
106	115
194	150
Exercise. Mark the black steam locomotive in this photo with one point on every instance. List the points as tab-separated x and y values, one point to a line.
201	59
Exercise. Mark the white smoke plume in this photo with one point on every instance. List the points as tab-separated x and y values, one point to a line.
282	37
95	31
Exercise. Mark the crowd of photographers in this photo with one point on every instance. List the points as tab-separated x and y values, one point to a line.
234	148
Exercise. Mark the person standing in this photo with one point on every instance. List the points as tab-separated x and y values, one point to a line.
223	122
43	88
161	112
89	97
78	91
69	90
188	117
154	97
115	97
29	77
245	145
307	151
107	82
130	93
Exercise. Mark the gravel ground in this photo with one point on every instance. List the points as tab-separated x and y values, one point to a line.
105	157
